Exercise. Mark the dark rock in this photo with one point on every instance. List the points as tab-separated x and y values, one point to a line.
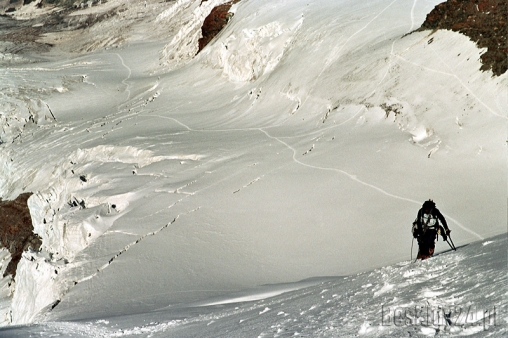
16	230
215	22
26	34
483	21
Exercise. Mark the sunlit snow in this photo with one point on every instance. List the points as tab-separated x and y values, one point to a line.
169	189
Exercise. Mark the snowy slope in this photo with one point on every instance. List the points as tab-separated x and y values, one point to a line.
455	294
301	143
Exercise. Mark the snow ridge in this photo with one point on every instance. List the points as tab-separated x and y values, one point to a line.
454	294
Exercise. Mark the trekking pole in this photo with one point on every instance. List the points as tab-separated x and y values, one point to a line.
412	242
452	245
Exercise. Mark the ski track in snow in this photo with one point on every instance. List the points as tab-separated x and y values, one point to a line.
388	67
349	175
128	92
453	75
124	81
334	55
355	178
412	16
466	87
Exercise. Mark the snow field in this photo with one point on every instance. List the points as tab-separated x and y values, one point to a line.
454	294
306	154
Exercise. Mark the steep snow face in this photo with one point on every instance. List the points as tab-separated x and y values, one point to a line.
184	45
35	288
455	294
254	51
306	153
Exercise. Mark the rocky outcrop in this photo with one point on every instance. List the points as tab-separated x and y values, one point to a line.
483	21
16	230
215	22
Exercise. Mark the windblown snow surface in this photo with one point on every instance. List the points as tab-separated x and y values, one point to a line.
453	294
179	195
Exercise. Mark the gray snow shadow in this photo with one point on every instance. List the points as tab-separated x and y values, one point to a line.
464	292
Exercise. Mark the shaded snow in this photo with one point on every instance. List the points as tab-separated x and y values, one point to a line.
307	154
455	294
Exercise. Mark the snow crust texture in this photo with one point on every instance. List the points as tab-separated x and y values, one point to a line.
300	143
455	294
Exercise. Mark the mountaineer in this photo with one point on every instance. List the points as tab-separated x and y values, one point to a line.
428	225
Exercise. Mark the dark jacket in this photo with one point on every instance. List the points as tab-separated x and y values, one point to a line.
429	223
